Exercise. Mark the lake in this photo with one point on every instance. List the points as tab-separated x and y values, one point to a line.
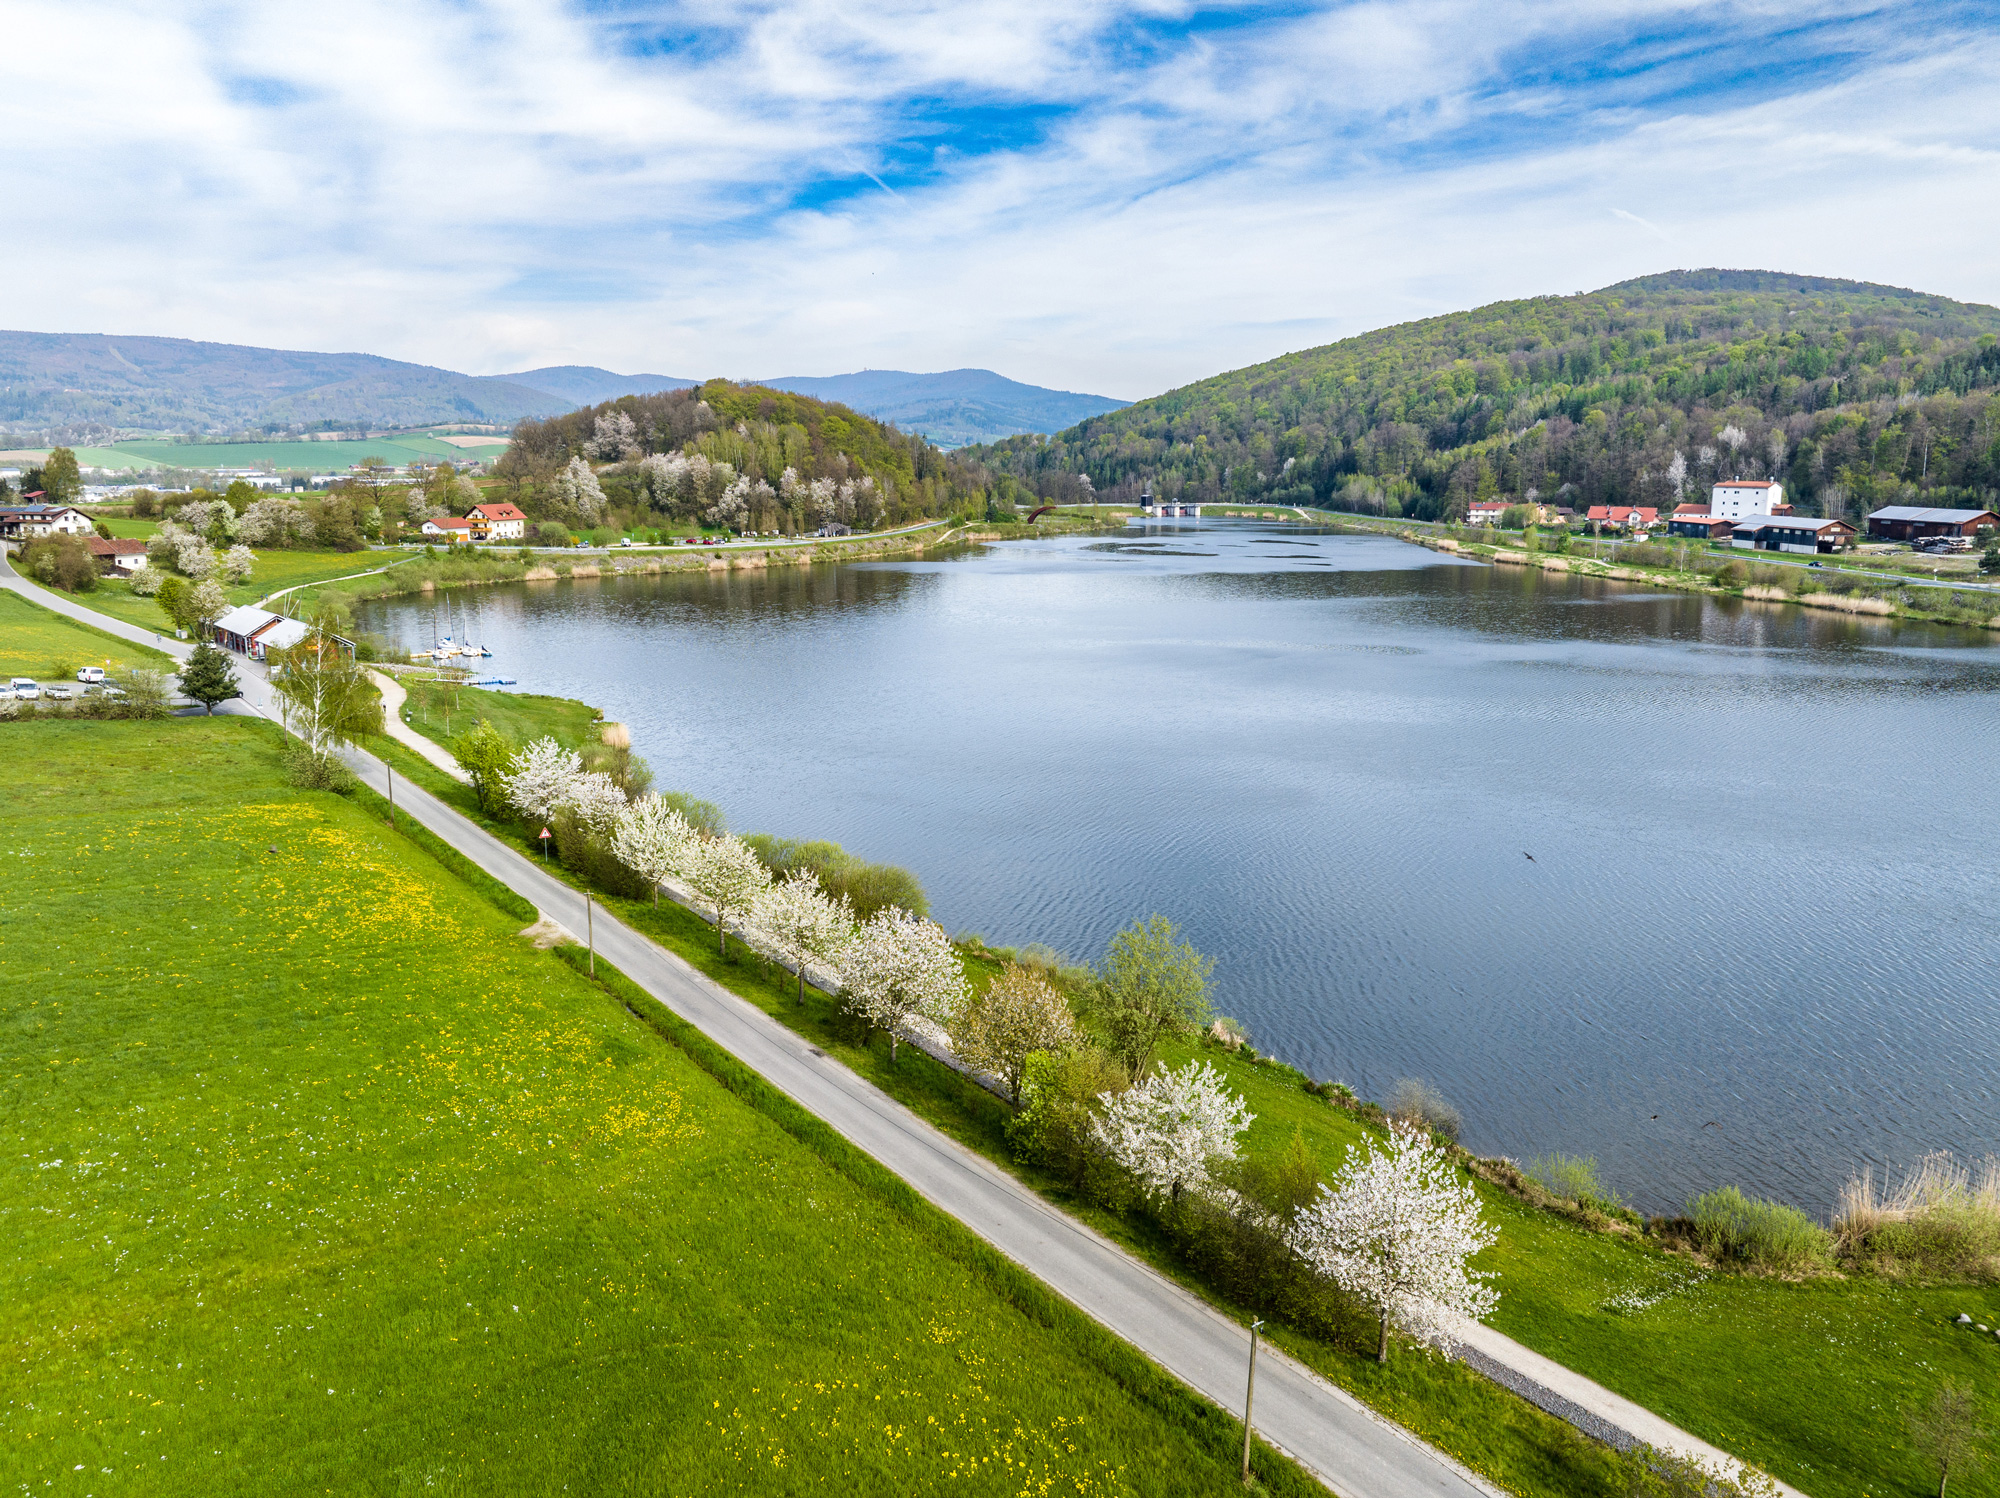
1700	887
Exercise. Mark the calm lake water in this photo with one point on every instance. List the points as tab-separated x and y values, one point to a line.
1701	888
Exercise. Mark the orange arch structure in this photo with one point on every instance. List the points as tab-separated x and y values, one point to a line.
1038	514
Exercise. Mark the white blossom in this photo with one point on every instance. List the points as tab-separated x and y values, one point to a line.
205	515
237	563
597	800
899	965
276	522
1169	1129
539	778
1020	1013
652	839
615	438
726	877
576	489
1396	1228
803	923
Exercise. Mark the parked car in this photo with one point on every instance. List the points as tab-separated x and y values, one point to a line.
25	689
61	691
90	675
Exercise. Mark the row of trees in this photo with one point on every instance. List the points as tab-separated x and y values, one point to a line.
1394	1228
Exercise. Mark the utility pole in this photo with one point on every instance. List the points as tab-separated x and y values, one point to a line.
1249	1396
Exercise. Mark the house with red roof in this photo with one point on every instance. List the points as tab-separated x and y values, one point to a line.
498	522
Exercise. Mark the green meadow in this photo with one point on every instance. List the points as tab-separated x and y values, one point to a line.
36	642
321	1177
319	457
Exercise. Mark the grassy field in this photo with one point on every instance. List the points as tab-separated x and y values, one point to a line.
440	711
319	457
319	1170
130	528
1808	1379
275	570
35	642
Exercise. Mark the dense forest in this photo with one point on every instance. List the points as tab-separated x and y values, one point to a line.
1854	395
744	456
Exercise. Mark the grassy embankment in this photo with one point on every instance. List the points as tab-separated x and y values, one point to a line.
275	570
36	642
1807	1378
319	1169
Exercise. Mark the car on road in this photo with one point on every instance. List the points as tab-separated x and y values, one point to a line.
90	675
24	689
61	691
1815	564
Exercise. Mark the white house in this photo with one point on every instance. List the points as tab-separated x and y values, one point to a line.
26	522
449	527
1732	499
498	522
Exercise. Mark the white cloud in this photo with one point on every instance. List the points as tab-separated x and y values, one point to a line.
1098	196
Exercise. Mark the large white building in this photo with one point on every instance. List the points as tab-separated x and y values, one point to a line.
1732	499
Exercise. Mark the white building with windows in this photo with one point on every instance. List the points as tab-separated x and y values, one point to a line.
1732	499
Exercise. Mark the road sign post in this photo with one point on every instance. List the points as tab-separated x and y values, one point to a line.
545	845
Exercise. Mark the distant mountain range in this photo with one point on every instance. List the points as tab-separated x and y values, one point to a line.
73	381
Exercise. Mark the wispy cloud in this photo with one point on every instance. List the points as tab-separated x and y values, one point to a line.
1114	196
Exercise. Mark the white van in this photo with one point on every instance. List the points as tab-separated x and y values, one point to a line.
25	689
90	675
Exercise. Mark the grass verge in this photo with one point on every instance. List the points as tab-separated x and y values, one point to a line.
35	641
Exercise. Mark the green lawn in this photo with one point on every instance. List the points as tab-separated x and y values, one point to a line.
319	1172
440	711
130	527
274	570
36	642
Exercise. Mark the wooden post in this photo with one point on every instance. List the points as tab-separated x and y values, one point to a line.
1249	1395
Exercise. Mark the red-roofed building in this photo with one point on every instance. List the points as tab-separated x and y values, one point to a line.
1732	499
118	554
499	522
449	528
1624	517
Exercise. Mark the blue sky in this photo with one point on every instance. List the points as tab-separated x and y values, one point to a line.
1101	196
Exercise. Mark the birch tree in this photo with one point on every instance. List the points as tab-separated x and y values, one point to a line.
1396	1227
325	696
899	965
726	877
804	923
1171	1128
1020	1013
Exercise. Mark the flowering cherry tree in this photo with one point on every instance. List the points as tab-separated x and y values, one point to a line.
1396	1228
726	877
653	840
1169	1129
539	778
576	489
899	965
597	800
805	924
1020	1013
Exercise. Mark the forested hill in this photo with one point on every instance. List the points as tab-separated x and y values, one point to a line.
773	450
1854	394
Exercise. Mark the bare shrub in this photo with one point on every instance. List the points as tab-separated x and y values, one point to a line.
1415	1101
1942	1218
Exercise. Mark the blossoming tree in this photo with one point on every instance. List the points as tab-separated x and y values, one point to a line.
803	922
1170	1128
1396	1228
539	778
726	877
899	965
653	840
1019	1013
598	802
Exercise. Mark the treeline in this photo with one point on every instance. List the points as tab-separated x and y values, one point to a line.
1854	395
740	455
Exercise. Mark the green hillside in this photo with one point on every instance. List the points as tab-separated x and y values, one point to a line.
759	433
1853	394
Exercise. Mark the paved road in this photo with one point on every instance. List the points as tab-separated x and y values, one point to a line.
1353	1450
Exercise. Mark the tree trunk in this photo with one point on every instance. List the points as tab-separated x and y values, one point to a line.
721	935
1382	1353
802	983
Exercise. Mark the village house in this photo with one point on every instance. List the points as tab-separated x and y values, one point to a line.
1915	523
119	554
1732	499
449	528
501	522
1801	533
1487	511
1624	517
28	522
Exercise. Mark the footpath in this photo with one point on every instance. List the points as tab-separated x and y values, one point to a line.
1322	1427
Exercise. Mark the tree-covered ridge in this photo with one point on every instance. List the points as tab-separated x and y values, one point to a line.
749	437
1854	394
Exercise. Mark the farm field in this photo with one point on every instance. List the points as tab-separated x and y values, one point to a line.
36	642
317	1168
319	457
